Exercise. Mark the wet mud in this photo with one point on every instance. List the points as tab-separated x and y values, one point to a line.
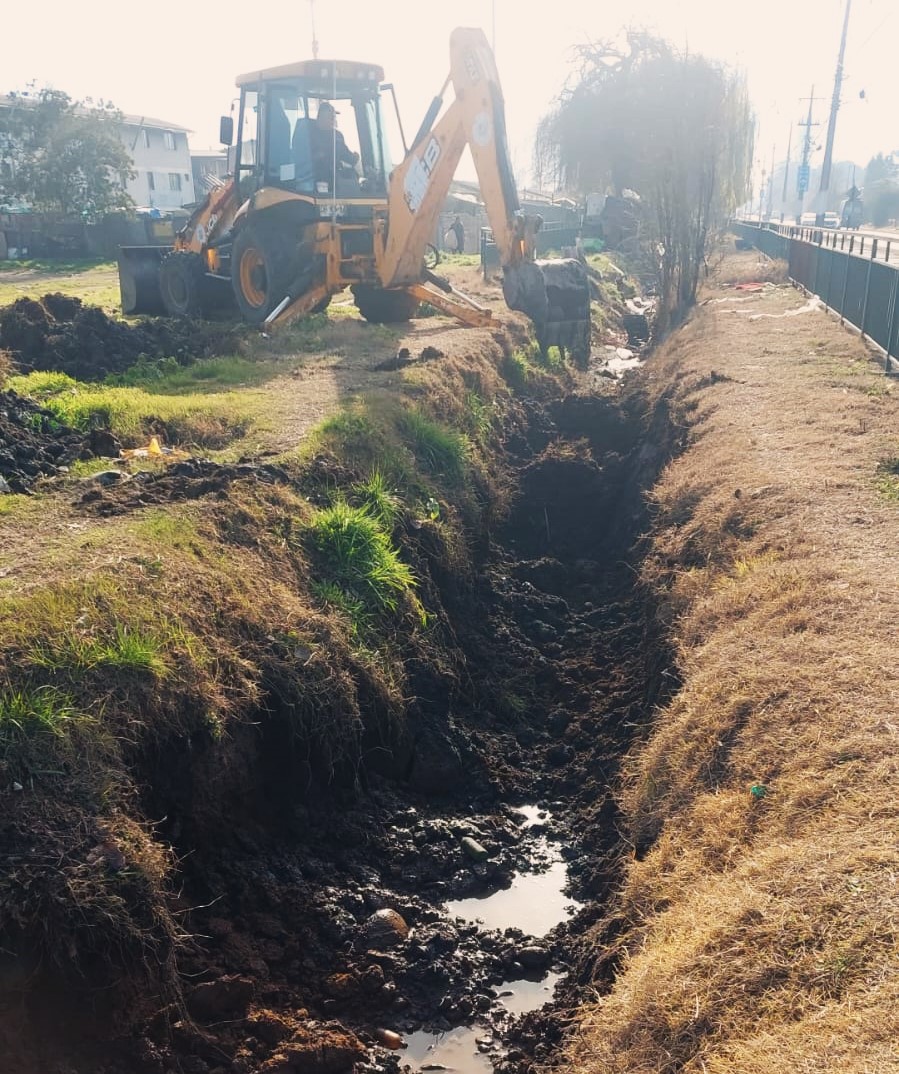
420	913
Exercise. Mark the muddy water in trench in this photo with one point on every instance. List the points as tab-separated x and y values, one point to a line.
535	903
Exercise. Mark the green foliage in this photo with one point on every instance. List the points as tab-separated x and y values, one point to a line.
438	449
61	155
378	499
358	556
881	167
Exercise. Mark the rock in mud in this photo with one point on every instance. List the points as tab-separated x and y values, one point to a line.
385	929
474	849
533	957
389	1039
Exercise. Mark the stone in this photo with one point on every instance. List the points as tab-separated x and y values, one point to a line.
474	849
385	929
533	957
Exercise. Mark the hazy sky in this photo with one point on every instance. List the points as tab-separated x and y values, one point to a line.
177	60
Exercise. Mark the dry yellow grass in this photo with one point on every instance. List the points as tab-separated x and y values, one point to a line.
761	900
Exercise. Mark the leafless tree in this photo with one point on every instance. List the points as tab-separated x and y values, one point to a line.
674	127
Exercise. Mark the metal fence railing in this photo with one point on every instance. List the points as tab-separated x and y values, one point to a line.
861	289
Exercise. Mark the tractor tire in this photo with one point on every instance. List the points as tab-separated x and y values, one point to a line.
182	280
380	306
260	271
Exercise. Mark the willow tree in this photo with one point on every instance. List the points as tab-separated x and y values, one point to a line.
676	128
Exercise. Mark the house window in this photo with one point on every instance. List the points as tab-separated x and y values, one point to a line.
146	135
174	181
151	182
169	139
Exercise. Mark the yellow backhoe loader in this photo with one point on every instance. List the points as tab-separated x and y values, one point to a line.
303	217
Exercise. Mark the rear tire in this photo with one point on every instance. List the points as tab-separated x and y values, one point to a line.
182	284
260	271
380	306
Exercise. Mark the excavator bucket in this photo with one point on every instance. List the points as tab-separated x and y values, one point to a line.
555	294
139	278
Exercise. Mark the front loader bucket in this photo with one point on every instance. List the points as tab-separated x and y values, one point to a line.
555	294
139	278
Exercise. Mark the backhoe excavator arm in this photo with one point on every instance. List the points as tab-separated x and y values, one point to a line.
554	294
419	186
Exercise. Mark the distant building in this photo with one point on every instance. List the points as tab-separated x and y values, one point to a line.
162	161
161	157
208	171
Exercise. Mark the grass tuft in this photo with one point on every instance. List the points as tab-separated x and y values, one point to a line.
34	728
126	649
375	496
358	555
438	449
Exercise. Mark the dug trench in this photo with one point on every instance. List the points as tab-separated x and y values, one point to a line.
322	893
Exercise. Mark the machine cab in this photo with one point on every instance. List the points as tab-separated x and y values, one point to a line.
287	139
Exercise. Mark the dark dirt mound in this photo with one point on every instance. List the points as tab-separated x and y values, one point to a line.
189	480
62	334
33	444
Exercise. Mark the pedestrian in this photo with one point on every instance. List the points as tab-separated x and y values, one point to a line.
458	229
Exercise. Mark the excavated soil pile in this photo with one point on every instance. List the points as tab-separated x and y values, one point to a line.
33	444
61	334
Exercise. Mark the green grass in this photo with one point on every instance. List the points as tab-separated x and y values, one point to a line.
125	650
34	728
11	502
479	416
94	282
376	497
134	414
52	266
363	435
358	557
438	449
517	370
350	607
887	479
167	377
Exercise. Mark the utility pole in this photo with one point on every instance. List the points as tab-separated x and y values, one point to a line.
315	39
834	105
771	181
787	166
804	168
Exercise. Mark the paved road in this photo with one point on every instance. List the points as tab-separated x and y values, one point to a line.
882	244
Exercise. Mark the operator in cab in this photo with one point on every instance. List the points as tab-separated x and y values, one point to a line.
328	144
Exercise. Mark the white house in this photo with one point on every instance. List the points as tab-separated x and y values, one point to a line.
161	158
